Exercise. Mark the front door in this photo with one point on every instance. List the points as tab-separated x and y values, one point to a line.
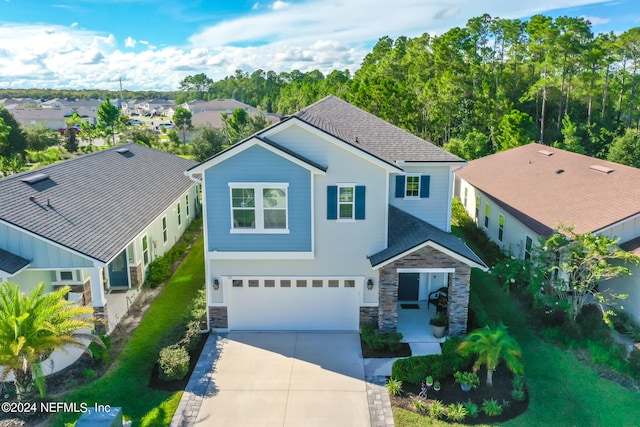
118	272
408	286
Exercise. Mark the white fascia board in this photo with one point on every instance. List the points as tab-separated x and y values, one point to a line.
601	230
51	242
436	246
240	147
216	255
403	163
332	139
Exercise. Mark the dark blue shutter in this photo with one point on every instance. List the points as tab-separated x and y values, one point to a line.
332	202
424	186
360	205
399	186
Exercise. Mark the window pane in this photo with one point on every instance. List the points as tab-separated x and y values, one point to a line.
66	275
346	211
346	194
275	218
413	186
244	218
242	198
274	198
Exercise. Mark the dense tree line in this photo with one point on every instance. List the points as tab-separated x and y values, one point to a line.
490	85
47	94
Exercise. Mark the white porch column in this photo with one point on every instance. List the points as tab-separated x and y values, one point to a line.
97	290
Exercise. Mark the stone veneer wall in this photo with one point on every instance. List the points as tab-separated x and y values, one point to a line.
102	320
369	316
218	317
135	273
426	257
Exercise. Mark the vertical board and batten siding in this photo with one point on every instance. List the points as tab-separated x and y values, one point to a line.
432	207
625	230
41	253
629	285
513	239
257	164
341	247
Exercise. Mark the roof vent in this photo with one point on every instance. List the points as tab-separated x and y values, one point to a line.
546	153
559	171
601	169
122	150
33	179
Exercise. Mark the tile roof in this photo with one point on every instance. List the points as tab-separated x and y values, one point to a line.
370	133
544	191
11	263
407	232
97	203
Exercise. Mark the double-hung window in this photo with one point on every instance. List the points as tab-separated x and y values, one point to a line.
345	202
501	227
487	213
259	207
412	186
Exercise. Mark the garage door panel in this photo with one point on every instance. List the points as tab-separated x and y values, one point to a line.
293	308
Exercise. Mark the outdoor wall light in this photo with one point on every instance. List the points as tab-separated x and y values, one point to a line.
369	284
216	284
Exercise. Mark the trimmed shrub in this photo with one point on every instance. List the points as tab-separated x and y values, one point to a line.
634	363
371	337
393	340
191	335
173	362
489	251
159	271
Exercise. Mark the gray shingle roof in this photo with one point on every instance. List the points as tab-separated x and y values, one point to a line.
97	203
407	232
370	133
11	263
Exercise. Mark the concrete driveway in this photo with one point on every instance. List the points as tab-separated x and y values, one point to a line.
287	379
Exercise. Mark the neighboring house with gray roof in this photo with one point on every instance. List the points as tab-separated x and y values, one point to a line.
329	219
94	222
520	195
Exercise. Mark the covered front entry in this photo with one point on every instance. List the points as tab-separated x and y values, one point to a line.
287	304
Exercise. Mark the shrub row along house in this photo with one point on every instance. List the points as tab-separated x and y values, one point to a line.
520	195
327	219
95	223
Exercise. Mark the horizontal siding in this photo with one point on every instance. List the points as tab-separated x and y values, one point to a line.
257	164
433	209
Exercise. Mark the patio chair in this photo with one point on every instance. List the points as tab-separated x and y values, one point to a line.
439	299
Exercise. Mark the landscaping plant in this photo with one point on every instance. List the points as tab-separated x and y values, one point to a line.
491	407
491	346
394	387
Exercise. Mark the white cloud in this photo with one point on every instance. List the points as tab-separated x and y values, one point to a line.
255	6
279	5
596	20
307	35
75	24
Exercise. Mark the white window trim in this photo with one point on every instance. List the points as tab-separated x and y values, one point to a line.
259	207
179	214
165	230
504	220
353	202
406	183
186	205
524	246
487	217
74	276
143	250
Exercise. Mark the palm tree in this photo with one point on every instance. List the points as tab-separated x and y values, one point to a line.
492	346
31	327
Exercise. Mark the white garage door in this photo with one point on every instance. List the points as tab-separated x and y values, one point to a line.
286	304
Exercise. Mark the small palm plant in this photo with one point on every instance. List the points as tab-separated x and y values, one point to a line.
492	346
31	327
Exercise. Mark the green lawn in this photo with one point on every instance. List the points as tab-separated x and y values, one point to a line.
562	390
125	383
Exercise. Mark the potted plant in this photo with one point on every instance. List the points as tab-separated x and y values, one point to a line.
436	386
439	323
467	380
429	381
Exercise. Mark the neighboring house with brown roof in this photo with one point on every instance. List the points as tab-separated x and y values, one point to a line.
525	193
95	223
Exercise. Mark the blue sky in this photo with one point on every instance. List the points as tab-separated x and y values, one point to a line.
154	44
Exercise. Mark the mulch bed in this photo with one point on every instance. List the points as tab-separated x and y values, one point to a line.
403	351
158	383
451	393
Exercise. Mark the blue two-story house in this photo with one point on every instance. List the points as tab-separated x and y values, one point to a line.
325	221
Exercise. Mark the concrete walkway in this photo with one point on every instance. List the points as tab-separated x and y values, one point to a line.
283	379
